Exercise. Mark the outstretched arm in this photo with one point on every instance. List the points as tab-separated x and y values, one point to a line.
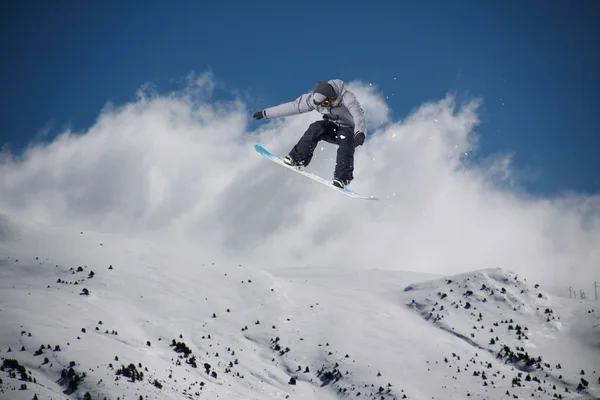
301	105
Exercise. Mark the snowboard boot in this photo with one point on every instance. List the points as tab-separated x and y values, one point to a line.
341	183
291	162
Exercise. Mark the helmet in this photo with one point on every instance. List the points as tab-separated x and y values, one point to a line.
323	93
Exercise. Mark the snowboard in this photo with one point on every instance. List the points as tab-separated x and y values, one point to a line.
277	160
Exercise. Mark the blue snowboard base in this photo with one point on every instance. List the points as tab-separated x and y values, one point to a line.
277	160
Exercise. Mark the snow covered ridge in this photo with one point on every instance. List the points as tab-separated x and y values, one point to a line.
85	315
498	313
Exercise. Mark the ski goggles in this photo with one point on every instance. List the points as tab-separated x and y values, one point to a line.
321	100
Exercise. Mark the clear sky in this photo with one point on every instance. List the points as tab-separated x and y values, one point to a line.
534	63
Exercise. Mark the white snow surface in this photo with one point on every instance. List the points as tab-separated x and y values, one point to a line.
340	333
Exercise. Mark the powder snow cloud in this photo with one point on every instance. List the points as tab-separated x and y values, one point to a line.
182	166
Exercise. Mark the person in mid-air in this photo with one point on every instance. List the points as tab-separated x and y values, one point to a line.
343	124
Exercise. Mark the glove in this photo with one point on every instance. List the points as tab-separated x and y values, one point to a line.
259	115
359	139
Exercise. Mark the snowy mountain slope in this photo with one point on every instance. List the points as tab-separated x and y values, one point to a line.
199	327
550	341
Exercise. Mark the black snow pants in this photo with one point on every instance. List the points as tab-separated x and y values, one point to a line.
325	130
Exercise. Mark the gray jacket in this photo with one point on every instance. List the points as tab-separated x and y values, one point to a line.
345	112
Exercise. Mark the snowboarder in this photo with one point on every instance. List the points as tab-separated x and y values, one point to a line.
343	124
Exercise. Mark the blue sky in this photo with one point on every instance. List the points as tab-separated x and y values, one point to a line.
533	63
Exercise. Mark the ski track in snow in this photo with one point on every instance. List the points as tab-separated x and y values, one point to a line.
244	332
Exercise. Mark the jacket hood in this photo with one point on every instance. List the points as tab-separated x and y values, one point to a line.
339	87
